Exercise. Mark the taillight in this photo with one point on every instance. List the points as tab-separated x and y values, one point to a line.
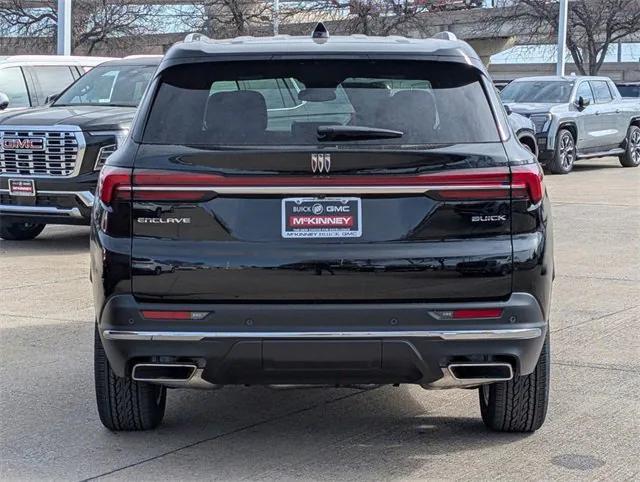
526	182
173	186
114	184
523	182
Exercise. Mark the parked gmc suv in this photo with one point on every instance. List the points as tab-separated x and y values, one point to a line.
321	211
577	117
50	157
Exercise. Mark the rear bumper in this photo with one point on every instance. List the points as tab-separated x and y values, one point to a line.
337	344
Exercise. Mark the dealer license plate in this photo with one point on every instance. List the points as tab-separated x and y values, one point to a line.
22	187
322	217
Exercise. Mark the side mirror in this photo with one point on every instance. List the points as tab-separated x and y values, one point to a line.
4	101
583	103
508	109
51	98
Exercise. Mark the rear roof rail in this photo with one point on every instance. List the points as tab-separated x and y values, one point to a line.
195	37
445	35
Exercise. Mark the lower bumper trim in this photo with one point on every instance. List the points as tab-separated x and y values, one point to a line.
450	335
41	211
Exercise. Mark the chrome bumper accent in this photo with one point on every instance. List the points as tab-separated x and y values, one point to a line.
86	197
449	335
310	190
41	210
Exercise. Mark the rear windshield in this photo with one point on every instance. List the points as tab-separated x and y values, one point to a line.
544	91
291	103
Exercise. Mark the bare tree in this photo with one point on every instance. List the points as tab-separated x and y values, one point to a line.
593	26
94	21
371	17
227	18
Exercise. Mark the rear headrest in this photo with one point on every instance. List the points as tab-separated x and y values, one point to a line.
236	114
413	112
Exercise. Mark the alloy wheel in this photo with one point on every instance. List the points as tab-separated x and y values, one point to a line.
634	146
567	151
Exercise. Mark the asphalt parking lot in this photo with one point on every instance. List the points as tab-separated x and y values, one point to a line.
49	428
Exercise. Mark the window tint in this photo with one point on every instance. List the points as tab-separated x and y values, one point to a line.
250	103
52	79
601	91
629	90
13	85
542	91
277	93
584	91
120	85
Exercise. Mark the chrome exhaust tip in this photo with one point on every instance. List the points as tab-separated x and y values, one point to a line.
173	375
484	372
469	375
163	372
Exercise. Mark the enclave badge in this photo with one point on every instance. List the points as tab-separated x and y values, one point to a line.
164	221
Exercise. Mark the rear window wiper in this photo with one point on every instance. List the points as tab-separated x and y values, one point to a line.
354	133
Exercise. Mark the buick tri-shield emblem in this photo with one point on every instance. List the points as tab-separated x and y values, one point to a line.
320	163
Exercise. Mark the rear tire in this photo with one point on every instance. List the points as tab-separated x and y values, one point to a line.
565	153
519	405
19	231
123	403
631	156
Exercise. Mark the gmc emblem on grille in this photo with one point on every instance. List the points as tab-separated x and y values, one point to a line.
320	163
30	144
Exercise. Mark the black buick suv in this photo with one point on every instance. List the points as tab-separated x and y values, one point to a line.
340	211
50	156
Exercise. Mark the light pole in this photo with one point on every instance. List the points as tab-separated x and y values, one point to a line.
562	36
64	27
276	16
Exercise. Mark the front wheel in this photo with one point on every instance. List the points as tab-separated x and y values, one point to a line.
123	403
519	405
19	231
565	153
631	156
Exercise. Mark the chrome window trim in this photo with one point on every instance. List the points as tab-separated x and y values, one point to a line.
82	145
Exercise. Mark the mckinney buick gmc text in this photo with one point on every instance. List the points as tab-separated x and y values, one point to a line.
332	211
50	156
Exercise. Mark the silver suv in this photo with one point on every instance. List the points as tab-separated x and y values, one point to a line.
577	118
